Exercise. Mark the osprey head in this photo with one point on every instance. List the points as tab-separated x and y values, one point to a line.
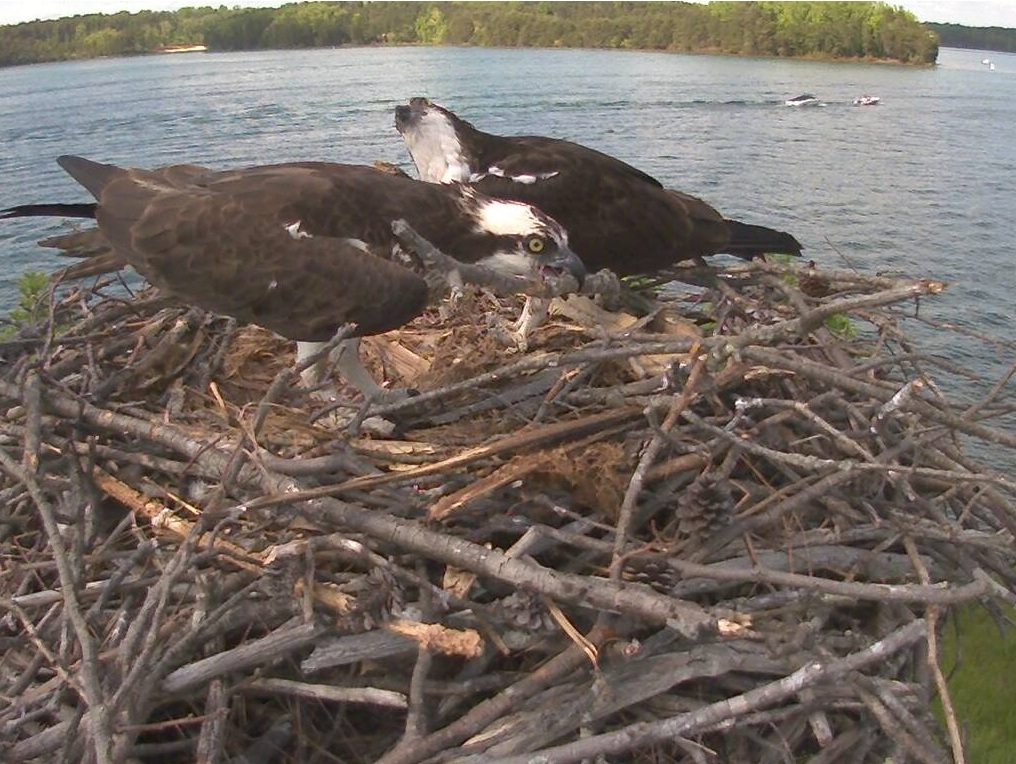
526	240
436	139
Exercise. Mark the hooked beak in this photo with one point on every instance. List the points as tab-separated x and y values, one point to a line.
406	114
566	260
402	116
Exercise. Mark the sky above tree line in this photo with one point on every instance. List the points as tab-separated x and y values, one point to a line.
978	13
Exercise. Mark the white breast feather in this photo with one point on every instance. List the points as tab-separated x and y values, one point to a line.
437	152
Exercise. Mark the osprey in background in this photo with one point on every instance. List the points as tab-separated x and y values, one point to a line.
618	216
303	248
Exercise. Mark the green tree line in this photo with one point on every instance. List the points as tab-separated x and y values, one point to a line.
978	38
797	29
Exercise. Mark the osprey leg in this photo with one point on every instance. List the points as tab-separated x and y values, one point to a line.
534	314
346	357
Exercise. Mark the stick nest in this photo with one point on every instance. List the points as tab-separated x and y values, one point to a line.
726	531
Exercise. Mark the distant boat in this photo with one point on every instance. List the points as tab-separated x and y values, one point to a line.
803	100
867	100
986	61
183	49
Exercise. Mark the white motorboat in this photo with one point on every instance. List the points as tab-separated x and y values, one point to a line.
867	100
803	100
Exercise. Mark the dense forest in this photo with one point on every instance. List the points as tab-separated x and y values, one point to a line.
978	38
799	29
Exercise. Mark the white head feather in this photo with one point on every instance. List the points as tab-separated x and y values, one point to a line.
504	218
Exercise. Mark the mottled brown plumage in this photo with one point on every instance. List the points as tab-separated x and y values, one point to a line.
223	241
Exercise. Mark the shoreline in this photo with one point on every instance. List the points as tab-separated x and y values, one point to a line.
201	48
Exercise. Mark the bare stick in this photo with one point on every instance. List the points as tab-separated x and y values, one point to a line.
101	727
644	734
481	715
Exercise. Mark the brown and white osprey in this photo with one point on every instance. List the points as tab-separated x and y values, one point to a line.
303	248
619	217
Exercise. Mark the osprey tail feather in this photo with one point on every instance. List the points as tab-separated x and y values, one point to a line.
50	210
92	175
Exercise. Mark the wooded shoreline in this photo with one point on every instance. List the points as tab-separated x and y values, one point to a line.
826	30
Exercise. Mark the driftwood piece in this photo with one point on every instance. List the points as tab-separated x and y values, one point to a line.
723	526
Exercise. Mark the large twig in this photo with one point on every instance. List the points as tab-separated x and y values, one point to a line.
91	683
644	734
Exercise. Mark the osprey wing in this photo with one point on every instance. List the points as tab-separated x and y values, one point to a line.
615	217
531	159
235	243
343	201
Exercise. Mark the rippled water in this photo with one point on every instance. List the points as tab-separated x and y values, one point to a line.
922	183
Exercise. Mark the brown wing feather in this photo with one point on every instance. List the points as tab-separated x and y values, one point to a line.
342	201
347	201
617	216
222	243
533	154
619	221
96	253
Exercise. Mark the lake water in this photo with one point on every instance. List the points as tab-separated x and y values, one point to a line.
921	184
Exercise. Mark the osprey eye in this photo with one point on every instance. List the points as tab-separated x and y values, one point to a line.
535	245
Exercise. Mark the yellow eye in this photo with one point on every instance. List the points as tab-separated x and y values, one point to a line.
535	245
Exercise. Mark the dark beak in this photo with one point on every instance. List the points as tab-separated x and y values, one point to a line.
406	114
566	260
402	116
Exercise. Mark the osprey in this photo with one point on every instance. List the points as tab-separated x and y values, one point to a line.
619	217
303	248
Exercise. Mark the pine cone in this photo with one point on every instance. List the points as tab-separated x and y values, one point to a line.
526	612
705	508
379	597
652	571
